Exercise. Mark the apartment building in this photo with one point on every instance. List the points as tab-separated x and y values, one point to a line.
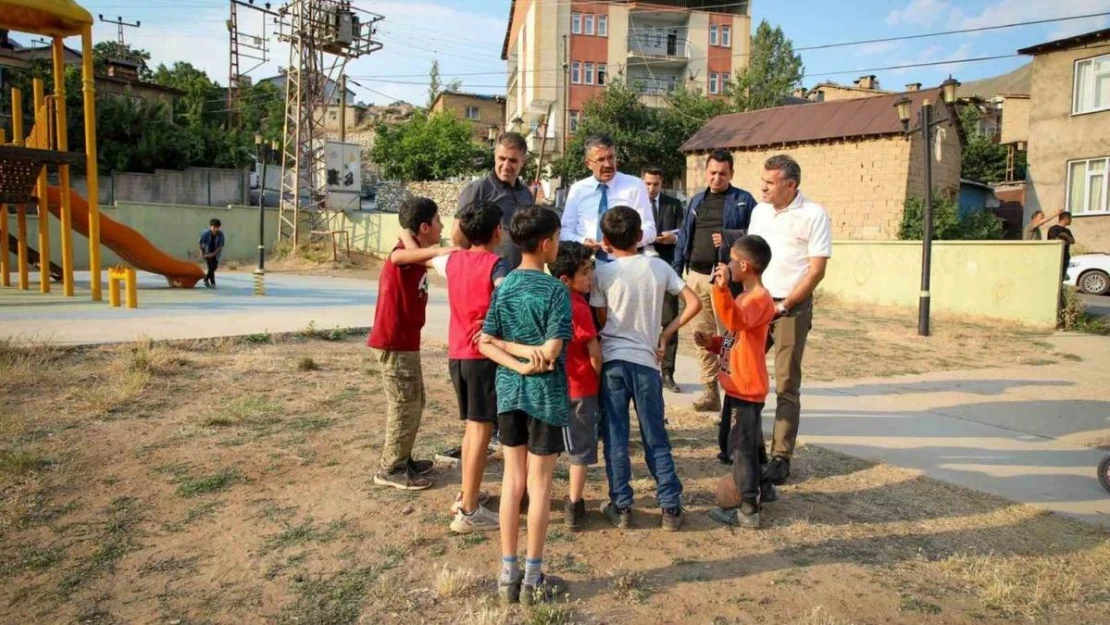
561	53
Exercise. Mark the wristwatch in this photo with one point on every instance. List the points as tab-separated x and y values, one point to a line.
782	309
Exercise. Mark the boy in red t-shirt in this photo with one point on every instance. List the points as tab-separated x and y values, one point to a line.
472	274
574	266
395	343
743	376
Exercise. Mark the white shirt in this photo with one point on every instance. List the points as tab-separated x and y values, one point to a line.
584	198
631	290
797	233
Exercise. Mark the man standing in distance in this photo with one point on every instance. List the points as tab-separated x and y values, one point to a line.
800	236
589	198
667	212
714	219
502	187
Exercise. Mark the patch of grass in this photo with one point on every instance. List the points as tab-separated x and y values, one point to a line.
250	408
306	363
453	582
44	515
116	537
550	614
112	391
32	559
567	563
473	540
217	422
913	604
21	361
559	535
334	600
258	338
820	616
485	615
206	484
19	461
304	533
310	424
196	513
631	587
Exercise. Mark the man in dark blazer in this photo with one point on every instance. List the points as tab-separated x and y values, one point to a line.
668	213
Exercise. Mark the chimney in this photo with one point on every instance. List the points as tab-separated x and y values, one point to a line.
867	82
913	86
799	92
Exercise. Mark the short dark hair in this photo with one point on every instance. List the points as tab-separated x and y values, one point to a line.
653	170
599	140
572	256
417	211
721	156
478	221
1063	215
755	250
621	225
214	222
512	140
531	225
789	167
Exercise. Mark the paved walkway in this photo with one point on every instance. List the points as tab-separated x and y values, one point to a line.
1018	432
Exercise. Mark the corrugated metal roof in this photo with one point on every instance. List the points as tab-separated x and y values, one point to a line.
804	123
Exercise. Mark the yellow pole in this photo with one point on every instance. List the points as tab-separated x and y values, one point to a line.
89	91
17	117
113	286
42	141
5	251
63	146
132	288
21	247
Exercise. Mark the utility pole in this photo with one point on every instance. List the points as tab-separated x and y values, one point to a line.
343	108
244	45
119	28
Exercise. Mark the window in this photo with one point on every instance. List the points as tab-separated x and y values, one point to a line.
602	25
589	24
1092	85
576	23
1087	190
472	112
713	85
333	115
726	36
588	74
601	74
576	73
574	118
712	34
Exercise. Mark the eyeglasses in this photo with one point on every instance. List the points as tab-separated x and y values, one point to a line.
608	160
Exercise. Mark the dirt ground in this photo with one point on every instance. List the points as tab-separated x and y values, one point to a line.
229	482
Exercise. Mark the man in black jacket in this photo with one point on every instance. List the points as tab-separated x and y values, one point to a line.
668	215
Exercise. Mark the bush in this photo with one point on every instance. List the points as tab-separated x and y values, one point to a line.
1073	315
947	223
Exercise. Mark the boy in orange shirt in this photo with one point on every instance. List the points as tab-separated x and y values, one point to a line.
743	375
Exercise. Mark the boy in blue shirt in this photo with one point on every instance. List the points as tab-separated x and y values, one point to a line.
211	244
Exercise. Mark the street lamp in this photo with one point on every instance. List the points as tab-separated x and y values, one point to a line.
925	127
491	136
517	124
263	157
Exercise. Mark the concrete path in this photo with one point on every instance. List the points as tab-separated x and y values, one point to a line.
1097	304
1017	432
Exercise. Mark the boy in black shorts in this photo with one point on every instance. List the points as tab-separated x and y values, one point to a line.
528	323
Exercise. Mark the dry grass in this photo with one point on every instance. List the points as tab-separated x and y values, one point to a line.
214	482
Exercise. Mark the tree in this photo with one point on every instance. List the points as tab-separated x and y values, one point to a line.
773	70
427	147
948	224
204	100
982	159
113	50
436	86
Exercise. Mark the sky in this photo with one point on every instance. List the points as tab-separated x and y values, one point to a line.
466	37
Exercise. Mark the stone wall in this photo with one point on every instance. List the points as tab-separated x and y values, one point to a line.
195	186
445	193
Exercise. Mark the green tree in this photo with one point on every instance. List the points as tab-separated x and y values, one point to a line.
982	159
113	50
203	101
773	70
436	86
948	224
427	147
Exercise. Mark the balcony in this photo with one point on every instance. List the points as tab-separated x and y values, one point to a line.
659	47
658	85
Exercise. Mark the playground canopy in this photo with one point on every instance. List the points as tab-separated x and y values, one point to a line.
59	18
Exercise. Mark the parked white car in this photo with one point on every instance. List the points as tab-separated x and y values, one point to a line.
1090	273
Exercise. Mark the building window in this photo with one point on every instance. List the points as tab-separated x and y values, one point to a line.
588	74
472	113
589	24
714	88
726	36
576	23
573	118
1092	85
601	74
575	72
712	34
333	115
602	25
1087	190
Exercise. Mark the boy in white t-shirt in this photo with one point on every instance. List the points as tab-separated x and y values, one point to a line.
628	295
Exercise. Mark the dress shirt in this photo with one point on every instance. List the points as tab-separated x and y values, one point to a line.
584	197
796	233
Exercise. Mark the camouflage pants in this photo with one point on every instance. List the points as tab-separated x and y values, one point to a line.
403	383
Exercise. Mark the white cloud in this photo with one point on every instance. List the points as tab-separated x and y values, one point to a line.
933	54
872	49
919	13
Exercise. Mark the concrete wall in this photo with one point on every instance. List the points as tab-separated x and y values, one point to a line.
173	229
198	186
1009	280
862	184
491	113
1056	136
1015	119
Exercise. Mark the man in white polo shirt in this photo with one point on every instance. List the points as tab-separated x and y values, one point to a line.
799	233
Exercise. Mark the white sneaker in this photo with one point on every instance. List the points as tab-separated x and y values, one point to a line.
482	520
483	499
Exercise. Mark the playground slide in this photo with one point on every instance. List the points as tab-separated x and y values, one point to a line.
128	244
33	258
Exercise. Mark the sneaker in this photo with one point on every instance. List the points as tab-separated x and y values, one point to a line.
778	470
549	587
403	478
768	493
673	518
670	385
451	456
481	520
483	499
619	517
420	467
510	591
209	285
723	458
734	517
574	513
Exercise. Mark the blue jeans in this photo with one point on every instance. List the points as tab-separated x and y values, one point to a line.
623	382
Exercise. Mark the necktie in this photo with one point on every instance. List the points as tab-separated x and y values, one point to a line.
655	210
602	206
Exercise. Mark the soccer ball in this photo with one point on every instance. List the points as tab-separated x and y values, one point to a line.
728	496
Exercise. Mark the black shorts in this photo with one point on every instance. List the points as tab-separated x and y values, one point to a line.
519	428
475	389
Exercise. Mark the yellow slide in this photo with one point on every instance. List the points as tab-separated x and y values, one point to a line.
128	244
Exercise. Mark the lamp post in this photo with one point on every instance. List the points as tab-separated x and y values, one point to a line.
517	123
491	136
925	127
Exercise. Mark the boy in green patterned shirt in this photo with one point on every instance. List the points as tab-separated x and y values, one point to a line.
526	327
